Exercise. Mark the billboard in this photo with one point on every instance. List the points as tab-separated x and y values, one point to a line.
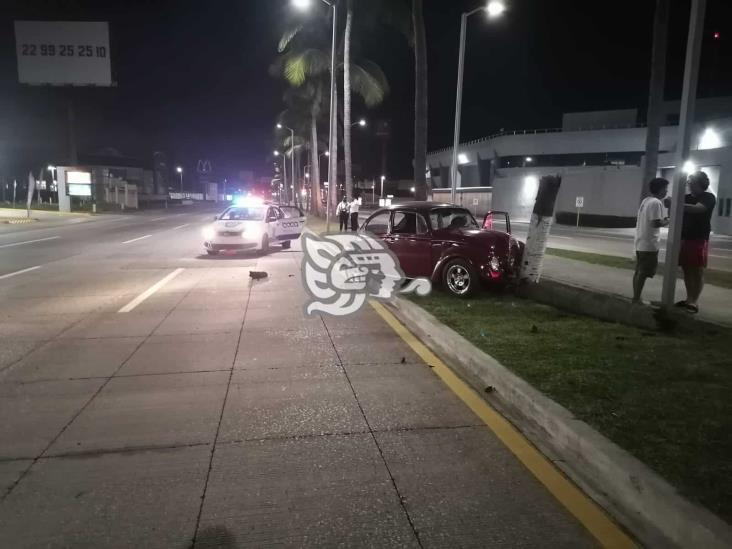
63	53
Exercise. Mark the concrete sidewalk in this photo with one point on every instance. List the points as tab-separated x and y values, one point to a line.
715	304
217	415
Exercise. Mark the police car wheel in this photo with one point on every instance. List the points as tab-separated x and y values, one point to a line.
212	252
286	245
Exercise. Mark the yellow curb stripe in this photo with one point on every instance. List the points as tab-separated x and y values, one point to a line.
587	512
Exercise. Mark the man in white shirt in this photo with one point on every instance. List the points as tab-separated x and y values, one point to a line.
353	207
342	211
648	235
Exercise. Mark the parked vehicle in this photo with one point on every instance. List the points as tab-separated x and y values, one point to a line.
253	225
446	244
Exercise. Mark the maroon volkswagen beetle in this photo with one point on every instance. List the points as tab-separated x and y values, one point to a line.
445	243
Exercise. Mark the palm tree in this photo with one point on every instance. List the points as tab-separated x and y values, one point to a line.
347	99
654	118
302	63
420	101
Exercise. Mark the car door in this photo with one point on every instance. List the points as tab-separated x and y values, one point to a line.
409	239
272	223
292	223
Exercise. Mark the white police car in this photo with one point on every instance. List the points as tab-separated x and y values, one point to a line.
253	226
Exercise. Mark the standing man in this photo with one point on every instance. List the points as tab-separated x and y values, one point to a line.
354	206
342	211
648	235
697	225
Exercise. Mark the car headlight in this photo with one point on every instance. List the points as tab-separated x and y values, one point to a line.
209	233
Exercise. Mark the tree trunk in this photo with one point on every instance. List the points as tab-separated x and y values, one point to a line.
315	196
420	101
347	100
541	222
655	94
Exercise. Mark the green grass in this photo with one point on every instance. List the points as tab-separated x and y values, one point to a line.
664	398
722	279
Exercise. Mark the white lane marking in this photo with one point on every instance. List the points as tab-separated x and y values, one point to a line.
29	242
150	291
136	239
562	237
20	272
180	226
159	218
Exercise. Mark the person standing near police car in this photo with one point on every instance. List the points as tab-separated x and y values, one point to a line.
354	207
699	206
342	212
648	235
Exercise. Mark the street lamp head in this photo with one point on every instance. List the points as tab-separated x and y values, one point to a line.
495	8
276	153
279	126
529	159
301	4
327	153
51	168
362	122
179	169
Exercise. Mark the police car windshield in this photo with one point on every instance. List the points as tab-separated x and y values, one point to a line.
252	213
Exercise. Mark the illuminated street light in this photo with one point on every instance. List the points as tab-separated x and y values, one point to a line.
276	153
302	5
179	169
494	8
51	168
383	178
689	167
529	159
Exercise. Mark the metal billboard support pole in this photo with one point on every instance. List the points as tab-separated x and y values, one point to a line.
683	144
458	109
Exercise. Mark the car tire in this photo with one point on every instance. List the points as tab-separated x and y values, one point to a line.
212	252
286	245
265	244
459	278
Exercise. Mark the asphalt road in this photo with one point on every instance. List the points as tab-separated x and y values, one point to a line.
152	396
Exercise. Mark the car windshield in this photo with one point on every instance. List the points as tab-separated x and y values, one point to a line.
255	213
452	218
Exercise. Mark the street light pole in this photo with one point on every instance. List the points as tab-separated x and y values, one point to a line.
180	172
494	9
333	134
686	121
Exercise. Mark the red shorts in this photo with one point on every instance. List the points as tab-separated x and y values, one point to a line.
694	253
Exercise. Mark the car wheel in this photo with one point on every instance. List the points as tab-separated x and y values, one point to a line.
459	278
286	245
212	252
265	244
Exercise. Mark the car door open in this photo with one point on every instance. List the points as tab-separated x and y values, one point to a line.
292	223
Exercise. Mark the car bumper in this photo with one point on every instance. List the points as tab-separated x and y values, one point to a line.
232	243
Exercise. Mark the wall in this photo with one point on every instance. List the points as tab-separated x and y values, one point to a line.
467	198
607	190
717	164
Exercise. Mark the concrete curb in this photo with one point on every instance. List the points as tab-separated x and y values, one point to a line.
607	306
640	499
18	221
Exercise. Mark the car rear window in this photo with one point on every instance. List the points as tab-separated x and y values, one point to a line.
452	218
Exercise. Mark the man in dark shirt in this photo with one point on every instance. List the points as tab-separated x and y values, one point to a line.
697	224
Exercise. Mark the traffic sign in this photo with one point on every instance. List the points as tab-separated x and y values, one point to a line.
580	202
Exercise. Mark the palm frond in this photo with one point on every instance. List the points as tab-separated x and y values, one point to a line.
307	63
369	81
288	36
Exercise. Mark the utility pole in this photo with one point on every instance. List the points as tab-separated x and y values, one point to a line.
683	144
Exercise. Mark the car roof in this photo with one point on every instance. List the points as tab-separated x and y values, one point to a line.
423	206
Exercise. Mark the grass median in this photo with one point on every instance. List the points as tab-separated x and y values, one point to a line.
722	279
664	398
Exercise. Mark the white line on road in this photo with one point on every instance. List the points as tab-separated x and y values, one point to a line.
150	291
159	218
136	239
20	272
29	241
180	226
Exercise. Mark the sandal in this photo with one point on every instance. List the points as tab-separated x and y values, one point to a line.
693	309
681	303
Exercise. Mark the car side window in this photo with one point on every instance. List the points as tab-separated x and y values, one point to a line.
404	223
379	224
435	221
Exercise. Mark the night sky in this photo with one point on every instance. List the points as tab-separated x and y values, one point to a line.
193	76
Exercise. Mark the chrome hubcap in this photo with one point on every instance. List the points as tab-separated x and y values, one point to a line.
458	279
